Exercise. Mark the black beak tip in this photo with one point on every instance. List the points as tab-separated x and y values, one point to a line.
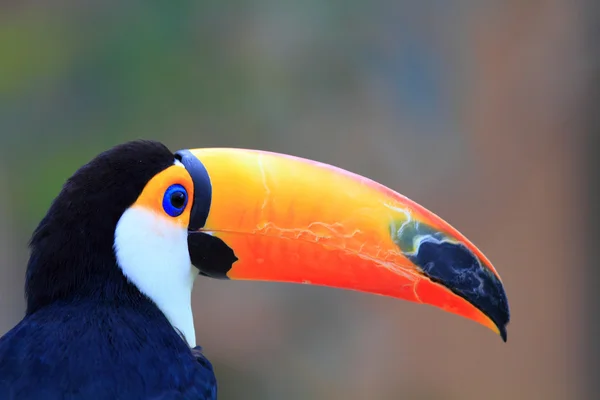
456	267
503	333
495	305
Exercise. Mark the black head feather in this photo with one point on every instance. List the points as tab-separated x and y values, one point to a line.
72	252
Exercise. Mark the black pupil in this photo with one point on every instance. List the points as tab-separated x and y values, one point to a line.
178	199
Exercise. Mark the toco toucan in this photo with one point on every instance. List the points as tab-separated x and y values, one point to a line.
114	260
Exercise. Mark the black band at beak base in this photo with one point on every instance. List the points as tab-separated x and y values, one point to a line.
202	189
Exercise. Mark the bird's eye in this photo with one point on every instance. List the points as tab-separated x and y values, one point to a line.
175	200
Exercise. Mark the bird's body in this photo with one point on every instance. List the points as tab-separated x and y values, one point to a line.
93	349
114	261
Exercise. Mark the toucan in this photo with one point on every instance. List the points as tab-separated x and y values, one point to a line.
113	263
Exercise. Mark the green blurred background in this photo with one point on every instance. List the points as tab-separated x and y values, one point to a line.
477	110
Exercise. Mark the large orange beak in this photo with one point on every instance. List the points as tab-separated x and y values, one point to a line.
271	217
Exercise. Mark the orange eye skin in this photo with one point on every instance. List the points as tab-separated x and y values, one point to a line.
153	194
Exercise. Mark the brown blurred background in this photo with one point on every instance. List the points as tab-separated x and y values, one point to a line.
484	112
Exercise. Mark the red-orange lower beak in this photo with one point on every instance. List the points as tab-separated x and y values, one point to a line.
274	217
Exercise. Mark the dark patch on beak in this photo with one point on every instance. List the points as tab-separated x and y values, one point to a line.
456	267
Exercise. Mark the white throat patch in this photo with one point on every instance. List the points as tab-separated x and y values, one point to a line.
153	254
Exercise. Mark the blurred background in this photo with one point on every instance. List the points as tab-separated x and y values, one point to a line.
482	111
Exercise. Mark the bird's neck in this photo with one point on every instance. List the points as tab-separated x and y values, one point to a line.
72	262
106	284
158	265
173	298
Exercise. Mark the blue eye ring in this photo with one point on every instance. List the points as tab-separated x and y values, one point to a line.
175	200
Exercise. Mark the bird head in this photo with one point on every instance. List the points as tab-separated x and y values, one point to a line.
141	221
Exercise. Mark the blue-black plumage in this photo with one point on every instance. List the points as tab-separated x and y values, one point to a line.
94	350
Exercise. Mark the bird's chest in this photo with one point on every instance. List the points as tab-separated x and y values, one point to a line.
114	357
